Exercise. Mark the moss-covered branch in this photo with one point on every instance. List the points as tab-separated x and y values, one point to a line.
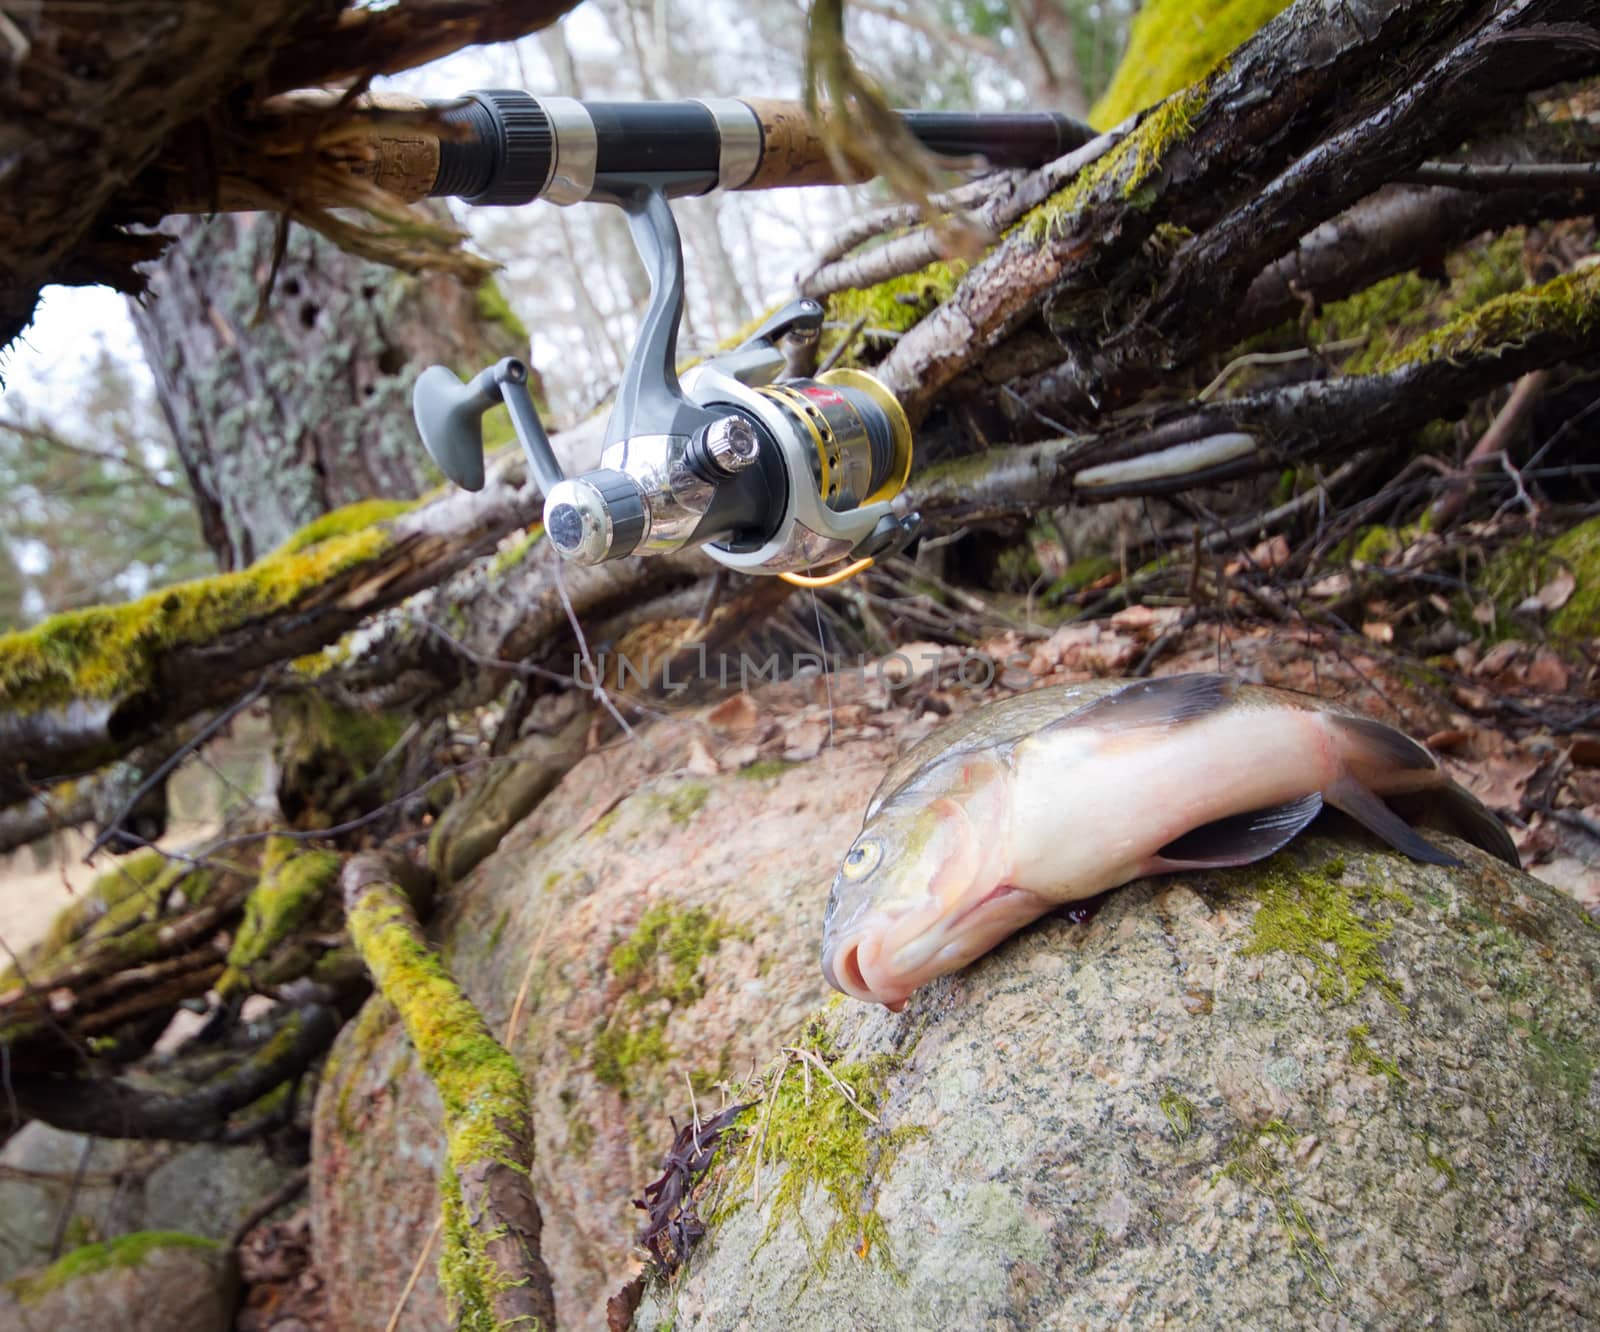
1172	224
87	686
490	1264
289	890
1436	374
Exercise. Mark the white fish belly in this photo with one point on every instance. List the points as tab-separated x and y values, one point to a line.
1090	807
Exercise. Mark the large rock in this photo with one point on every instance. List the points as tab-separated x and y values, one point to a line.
667	924
46	1183
1208	1103
152	1281
1336	1090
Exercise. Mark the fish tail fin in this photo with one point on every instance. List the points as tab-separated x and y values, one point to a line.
1381	758
1382	763
1452	808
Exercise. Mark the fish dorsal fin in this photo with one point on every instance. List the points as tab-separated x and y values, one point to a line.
1371	813
995	725
1170	701
1238	839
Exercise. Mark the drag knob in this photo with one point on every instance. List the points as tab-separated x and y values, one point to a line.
731	444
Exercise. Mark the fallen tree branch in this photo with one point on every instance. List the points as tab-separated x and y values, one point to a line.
88	686
491	1256
110	1107
344	45
1196	163
1192	445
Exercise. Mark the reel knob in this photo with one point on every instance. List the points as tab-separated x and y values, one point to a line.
594	517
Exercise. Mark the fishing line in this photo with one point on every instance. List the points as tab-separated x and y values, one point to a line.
827	671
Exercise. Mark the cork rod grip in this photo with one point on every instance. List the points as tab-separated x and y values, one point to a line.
792	151
398	152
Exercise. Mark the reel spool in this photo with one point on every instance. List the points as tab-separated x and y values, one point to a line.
770	476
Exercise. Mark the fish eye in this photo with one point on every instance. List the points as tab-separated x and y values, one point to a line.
863	858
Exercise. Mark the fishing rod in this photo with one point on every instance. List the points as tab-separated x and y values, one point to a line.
766	474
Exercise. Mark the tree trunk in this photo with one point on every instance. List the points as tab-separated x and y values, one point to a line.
282	417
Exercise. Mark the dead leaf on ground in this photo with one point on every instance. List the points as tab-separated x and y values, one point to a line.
1552	596
737	715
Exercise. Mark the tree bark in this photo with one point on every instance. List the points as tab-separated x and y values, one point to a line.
283	414
94	93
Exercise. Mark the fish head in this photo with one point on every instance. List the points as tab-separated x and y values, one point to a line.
922	891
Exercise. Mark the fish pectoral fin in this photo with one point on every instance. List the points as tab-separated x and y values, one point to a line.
1371	813
1238	839
1170	701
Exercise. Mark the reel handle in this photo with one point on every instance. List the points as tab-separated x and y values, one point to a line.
449	416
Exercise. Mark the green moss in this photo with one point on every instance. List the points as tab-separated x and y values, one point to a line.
763	769
111	652
289	889
1171	44
493	307
1576	1190
124	1251
1438	1161
1255	1165
659	963
1568	305
684	803
1521	568
825	1145
1579	550
1081	574
896	304
605	822
485	1099
516	552
1562	1066
1130	165
677	940
1374	545
1312	914
1397	311
1362	1055
1179	1113
620	1051
130	879
344	521
377	1015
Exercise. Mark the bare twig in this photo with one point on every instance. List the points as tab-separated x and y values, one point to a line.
114	825
1494	441
1506	175
290	1188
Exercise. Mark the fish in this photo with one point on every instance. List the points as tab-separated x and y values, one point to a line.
1065	792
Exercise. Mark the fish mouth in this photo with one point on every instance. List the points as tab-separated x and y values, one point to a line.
885	958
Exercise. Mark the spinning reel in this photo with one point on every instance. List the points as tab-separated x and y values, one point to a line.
766	475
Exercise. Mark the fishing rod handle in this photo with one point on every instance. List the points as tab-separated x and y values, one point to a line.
507	147
516	147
